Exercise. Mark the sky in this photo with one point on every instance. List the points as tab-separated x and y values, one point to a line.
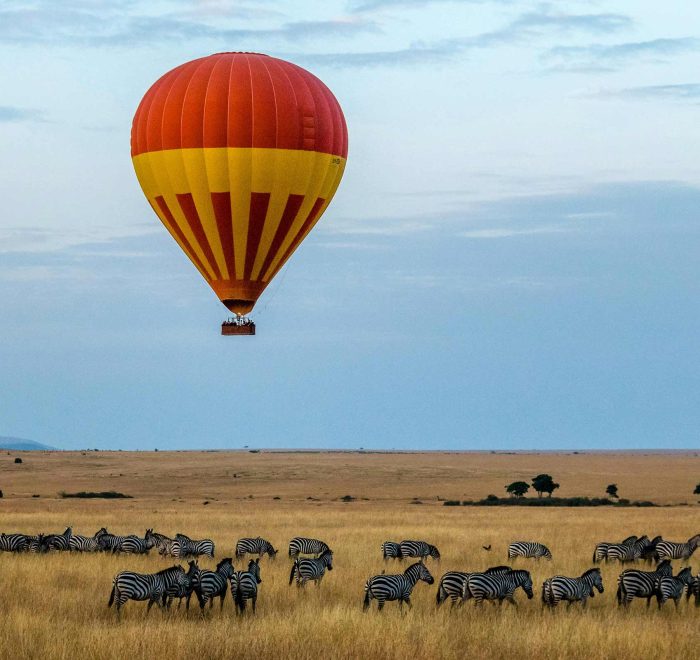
510	262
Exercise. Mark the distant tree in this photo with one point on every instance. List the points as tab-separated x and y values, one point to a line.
518	488
612	490
543	483
697	490
18	461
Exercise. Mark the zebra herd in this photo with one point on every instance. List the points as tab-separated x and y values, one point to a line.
311	558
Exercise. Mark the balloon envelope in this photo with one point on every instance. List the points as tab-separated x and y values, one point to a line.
239	154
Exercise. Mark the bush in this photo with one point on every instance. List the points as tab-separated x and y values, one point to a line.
105	494
551	502
18	461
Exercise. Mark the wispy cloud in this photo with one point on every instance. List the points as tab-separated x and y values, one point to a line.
28	240
679	92
12	114
509	232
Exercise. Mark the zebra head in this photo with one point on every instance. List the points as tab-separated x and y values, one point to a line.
327	558
524	580
254	569
434	552
686	576
694	542
271	551
100	533
419	571
149	539
594	579
193	572
664	568
225	567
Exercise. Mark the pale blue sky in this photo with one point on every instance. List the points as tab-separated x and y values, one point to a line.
511	260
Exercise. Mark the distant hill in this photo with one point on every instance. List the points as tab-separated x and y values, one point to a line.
21	444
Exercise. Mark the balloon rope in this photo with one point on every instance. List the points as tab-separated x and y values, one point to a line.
285	270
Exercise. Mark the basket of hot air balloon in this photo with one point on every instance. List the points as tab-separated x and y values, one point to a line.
239	155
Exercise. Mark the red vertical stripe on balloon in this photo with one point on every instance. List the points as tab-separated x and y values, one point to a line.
221	201
290	212
256	221
190	210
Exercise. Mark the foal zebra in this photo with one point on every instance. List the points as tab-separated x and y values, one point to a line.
14	542
671	550
419	549
257	546
210	584
301	545
185	547
669	587
152	587
244	585
483	586
528	549
311	569
633	583
396	587
391	550
452	584
558	588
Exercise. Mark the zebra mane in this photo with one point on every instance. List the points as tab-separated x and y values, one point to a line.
226	560
694	540
590	571
175	567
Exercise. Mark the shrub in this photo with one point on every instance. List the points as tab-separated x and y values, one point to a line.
105	494
18	461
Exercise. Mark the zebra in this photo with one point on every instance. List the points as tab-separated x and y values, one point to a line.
558	588
311	569
391	550
627	553
184	589
601	550
244	585
529	549
14	542
57	541
694	588
633	583
108	542
419	549
212	584
164	544
452	585
36	543
152	587
396	587
300	545
80	543
191	548
648	554
672	587
137	546
483	586
257	546
671	550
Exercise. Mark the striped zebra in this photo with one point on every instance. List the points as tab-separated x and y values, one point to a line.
80	543
396	587
670	587
108	542
559	587
36	543
671	550
648	554
694	589
152	587
601	550
244	585
483	586
419	549
58	542
452	585
187	547
528	549
311	568
184	589
257	546
391	550
135	545
633	583
300	545
212	584
14	542
164	544
625	553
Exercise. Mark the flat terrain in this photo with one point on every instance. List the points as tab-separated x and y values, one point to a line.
54	606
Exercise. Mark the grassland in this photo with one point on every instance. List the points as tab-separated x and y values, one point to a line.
55	606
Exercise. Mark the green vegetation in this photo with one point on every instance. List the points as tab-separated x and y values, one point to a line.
492	500
517	488
611	490
543	483
105	494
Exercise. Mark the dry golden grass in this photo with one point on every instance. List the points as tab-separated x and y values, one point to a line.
54	606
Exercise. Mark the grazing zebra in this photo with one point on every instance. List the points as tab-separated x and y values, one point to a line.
672	587
483	586
558	588
135	545
187	547
391	550
244	585
452	585
300	545
529	549
14	542
633	583
152	587
80	543
396	587
108	542
311	569
419	549
212	584
184	589
648	554
164	544
671	550
625	553
257	546
57	541
36	543
601	550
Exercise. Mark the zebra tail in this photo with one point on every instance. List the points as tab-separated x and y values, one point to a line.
619	594
111	596
295	567
366	602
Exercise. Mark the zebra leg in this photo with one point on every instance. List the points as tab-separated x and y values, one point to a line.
380	605
367	600
511	599
254	600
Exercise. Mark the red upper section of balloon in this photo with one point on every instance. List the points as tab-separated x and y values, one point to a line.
239	100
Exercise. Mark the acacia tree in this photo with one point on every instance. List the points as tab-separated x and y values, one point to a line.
518	488
611	490
543	483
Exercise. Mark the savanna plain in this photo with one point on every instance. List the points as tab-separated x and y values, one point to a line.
55	605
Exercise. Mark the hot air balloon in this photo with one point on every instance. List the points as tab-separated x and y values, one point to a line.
239	154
